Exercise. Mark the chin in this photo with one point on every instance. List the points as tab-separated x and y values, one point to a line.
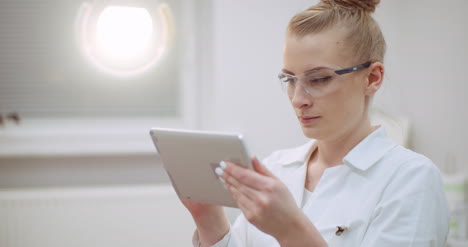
312	133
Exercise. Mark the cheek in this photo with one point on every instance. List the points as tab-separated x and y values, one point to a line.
343	104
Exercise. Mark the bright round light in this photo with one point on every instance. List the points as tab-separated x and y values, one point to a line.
122	40
123	32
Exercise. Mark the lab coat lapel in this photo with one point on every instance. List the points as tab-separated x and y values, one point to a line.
294	169
295	181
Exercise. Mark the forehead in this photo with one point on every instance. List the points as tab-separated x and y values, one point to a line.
327	48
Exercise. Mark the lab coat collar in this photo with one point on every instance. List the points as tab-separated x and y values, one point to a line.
362	156
300	154
370	150
367	153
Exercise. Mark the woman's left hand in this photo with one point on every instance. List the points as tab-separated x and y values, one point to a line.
263	199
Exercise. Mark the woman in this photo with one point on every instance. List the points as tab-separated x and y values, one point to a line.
350	185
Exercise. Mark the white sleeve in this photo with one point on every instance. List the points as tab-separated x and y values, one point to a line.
412	212
236	236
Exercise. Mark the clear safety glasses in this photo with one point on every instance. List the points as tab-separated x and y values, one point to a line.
316	82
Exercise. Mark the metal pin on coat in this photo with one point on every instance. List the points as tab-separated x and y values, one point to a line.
340	230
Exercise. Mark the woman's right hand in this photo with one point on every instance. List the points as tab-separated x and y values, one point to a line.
212	223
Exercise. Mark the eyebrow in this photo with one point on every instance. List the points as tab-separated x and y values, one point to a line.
309	70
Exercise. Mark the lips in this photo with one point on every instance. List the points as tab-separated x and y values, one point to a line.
308	119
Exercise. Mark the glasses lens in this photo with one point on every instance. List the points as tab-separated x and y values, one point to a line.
286	81
318	82
315	83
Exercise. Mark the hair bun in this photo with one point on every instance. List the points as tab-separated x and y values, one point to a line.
363	5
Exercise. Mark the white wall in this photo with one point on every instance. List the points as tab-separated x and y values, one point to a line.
247	56
425	81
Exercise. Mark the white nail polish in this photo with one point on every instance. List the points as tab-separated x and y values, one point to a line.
223	164
222	180
219	171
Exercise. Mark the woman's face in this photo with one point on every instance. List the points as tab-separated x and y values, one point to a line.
342	108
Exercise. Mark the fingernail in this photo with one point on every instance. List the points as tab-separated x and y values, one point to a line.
223	164
222	180
219	171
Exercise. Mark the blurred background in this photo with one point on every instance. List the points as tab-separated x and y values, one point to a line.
81	84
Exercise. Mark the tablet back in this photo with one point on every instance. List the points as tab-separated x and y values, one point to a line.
190	157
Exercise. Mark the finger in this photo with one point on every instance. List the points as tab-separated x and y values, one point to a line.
244	203
261	168
245	176
250	208
248	192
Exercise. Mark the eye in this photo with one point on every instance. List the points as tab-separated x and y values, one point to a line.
286	79
318	80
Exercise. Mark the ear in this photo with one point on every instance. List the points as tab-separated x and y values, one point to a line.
374	78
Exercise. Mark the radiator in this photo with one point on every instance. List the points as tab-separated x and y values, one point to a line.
136	216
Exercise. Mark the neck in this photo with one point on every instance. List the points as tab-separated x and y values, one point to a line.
331	152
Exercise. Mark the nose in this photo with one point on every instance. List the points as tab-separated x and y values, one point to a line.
300	97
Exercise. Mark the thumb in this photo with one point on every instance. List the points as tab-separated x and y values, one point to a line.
261	168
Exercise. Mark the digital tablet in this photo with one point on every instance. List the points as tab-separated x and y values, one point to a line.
190	158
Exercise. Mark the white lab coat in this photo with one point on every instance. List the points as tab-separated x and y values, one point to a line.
383	194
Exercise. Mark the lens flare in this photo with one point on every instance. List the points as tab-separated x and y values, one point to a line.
124	32
123	40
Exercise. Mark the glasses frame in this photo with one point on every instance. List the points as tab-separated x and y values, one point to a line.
353	68
338	72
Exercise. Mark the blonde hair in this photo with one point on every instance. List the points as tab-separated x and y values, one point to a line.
363	33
